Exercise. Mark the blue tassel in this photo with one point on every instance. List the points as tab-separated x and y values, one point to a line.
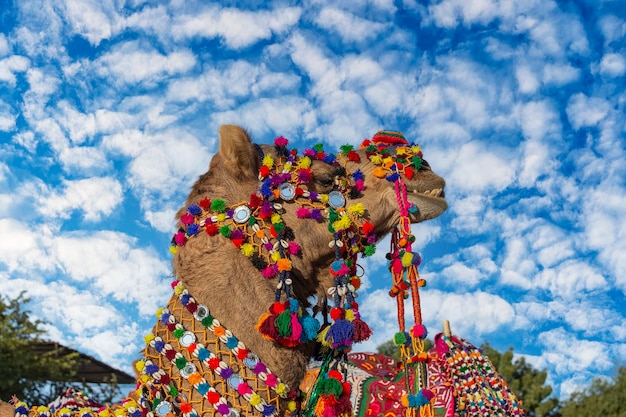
340	333
310	328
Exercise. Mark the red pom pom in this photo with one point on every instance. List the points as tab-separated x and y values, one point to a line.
336	313
211	229
255	201
335	374
347	387
354	156
299	191
212	397
242	354
237	242
409	173
205	203
214	363
170	354
367	227
277	307
264	171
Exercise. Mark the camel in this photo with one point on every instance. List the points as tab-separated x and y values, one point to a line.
269	240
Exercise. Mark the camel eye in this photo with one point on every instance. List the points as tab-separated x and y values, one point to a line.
325	180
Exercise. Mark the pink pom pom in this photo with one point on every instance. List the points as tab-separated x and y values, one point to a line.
281	141
244	388
419	331
186	218
294	248
269	272
303	212
180	238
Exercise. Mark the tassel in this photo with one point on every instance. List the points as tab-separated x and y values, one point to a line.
310	328
283	324
266	326
340	334
362	331
296	327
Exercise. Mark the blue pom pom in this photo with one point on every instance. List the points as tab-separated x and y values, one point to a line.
232	342
266	188
293	305
193	229
393	177
340	332
413	209
203	354
329	159
358	175
194	209
310	328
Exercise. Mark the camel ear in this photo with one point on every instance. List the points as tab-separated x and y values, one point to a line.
238	152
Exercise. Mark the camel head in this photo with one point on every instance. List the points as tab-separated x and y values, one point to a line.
268	226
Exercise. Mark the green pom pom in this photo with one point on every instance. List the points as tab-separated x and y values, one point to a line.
225	231
371	148
207	321
399	339
180	363
178	333
279	227
218	205
346	148
330	386
369	250
319	147
251	221
173	391
417	162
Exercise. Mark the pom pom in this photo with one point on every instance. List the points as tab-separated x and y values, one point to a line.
419	331
357	209
336	313
294	248
218	205
303	212
296	328
304	175
393	177
367	227
186	219
283	265
401	338
281	141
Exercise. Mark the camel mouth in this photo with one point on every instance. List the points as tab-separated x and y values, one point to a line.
431	203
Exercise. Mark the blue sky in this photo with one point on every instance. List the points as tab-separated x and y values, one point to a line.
109	110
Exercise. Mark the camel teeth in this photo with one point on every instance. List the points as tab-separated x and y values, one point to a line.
436	192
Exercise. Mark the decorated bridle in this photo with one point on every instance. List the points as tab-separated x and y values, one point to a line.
257	229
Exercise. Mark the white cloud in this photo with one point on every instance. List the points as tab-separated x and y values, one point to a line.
94	197
469	174
571	280
22	246
613	65
161	163
584	111
11	65
238	28
7	117
90	19
130	63
350	27
560	75
526	79
5	49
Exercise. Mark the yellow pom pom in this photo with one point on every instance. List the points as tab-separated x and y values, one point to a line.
148	338
291	406
343	223
268	161
139	365
281	389
42	409
376	159
323	198
221	217
276	218
401	150
247	249
173	250
275	256
144	378
357	209
178	290
120	412
287	167
104	413
416	149
349	315
255	399
159	312
407	258
305	162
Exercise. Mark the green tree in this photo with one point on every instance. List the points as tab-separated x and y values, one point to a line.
606	398
390	349
36	379
525	381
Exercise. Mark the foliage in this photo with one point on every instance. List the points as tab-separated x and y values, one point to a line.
526	382
36	379
605	398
